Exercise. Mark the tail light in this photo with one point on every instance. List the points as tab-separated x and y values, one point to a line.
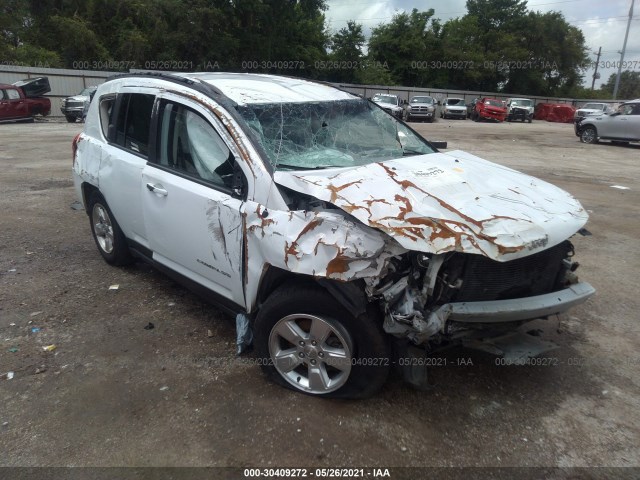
74	147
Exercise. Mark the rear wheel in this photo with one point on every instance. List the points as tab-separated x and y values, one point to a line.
109	239
589	135
308	342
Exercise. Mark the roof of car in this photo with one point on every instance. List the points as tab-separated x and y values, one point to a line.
250	88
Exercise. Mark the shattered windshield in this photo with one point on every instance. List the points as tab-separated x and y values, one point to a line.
521	103
339	133
422	100
455	101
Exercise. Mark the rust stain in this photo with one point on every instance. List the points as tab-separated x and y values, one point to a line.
292	248
376	200
339	265
407	206
334	190
352	208
245	247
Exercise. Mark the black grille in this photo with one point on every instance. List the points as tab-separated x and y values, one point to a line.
486	279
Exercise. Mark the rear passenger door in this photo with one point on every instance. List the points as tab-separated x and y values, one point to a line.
124	157
192	193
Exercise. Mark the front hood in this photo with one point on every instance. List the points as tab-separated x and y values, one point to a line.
589	111
455	107
449	202
388	105
77	98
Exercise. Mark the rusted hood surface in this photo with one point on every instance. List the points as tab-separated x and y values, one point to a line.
449	202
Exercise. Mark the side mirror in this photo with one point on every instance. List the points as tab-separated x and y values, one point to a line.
439	144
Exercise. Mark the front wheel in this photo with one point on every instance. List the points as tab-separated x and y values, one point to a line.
307	341
589	135
109	239
70	118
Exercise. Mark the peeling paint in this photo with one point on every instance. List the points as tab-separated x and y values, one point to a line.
504	216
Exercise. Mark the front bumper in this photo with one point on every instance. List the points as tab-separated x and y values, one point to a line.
530	308
418	114
493	115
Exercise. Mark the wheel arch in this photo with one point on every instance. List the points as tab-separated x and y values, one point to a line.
350	295
87	189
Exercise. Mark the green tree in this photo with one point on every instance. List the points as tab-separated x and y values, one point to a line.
629	87
409	42
346	53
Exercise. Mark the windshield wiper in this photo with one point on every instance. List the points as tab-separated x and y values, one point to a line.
407	153
298	167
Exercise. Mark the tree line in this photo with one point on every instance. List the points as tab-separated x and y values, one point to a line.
498	45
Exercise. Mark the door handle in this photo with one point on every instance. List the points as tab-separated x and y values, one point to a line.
157	189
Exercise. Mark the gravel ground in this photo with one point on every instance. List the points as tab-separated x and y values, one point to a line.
113	393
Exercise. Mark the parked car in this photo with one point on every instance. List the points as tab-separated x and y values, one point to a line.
471	106
520	109
420	107
622	126
592	108
341	239
489	109
389	103
73	107
24	99
453	108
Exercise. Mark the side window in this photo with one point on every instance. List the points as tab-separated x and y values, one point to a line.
13	94
133	122
190	145
3	95
635	109
106	113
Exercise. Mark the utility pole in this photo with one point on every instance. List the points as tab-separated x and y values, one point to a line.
624	48
595	74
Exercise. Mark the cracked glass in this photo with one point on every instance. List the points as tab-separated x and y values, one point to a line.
340	133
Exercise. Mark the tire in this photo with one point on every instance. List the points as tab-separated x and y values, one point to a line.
70	119
529	120
106	232
295	310
589	135
431	119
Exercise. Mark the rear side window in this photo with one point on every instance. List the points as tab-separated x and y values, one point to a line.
13	94
133	122
106	113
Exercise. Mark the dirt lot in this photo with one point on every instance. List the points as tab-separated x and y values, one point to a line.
115	394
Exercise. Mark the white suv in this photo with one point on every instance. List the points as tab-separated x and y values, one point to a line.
349	242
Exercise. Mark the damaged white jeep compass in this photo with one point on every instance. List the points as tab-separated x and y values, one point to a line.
348	241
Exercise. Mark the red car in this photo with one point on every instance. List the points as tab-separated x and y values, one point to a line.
490	109
23	100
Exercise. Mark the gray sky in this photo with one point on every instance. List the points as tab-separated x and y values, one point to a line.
603	22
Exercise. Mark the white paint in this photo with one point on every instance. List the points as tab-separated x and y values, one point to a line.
493	210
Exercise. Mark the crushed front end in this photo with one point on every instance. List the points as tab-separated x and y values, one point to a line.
436	301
